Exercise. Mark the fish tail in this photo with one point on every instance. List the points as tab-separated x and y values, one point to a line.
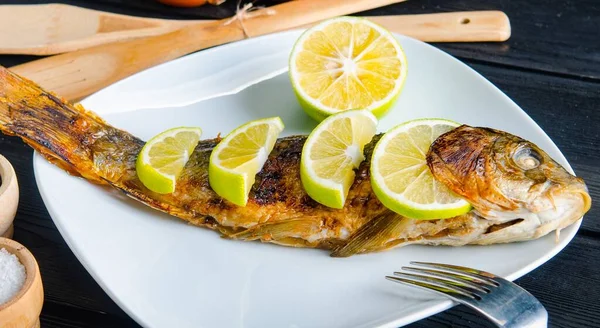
52	126
376	235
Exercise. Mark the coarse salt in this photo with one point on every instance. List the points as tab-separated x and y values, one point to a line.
12	275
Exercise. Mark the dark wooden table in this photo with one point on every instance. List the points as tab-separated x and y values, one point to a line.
550	67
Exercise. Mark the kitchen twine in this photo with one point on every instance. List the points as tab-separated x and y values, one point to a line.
246	12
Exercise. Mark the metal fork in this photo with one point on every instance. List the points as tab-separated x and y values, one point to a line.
501	301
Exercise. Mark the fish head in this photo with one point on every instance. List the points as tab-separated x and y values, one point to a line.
507	178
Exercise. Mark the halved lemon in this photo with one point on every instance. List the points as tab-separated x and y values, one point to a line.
347	63
239	156
401	178
162	159
331	153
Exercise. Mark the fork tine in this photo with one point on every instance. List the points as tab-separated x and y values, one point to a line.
430	287
463	271
455	278
440	283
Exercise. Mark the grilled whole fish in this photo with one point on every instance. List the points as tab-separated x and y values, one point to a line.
518	192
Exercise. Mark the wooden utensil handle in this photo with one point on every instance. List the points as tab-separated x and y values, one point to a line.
450	27
77	74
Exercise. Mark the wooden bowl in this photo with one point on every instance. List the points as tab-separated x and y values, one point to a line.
24	309
9	197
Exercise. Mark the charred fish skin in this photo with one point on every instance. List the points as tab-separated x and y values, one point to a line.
507	178
279	210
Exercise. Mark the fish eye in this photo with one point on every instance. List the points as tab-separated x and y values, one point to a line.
527	158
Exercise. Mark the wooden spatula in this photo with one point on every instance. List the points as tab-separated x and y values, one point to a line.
76	74
57	28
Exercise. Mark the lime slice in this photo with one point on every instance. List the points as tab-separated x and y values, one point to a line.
162	159
239	156
347	63
331	152
401	178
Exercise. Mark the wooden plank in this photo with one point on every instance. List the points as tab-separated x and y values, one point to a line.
13	60
55	315
559	37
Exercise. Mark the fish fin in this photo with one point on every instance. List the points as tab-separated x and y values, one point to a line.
381	233
282	231
294	242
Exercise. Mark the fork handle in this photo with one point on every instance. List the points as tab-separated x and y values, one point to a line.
530	318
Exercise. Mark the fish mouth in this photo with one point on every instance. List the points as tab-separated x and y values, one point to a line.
568	207
579	190
556	209
586	199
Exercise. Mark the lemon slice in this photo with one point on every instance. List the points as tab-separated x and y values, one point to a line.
347	63
331	152
162	159
239	156
401	178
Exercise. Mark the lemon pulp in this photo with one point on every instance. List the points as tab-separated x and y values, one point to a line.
163	157
331	153
401	178
347	63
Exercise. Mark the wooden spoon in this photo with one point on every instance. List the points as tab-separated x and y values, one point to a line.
57	28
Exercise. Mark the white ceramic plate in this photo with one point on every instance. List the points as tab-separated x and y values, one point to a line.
165	273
